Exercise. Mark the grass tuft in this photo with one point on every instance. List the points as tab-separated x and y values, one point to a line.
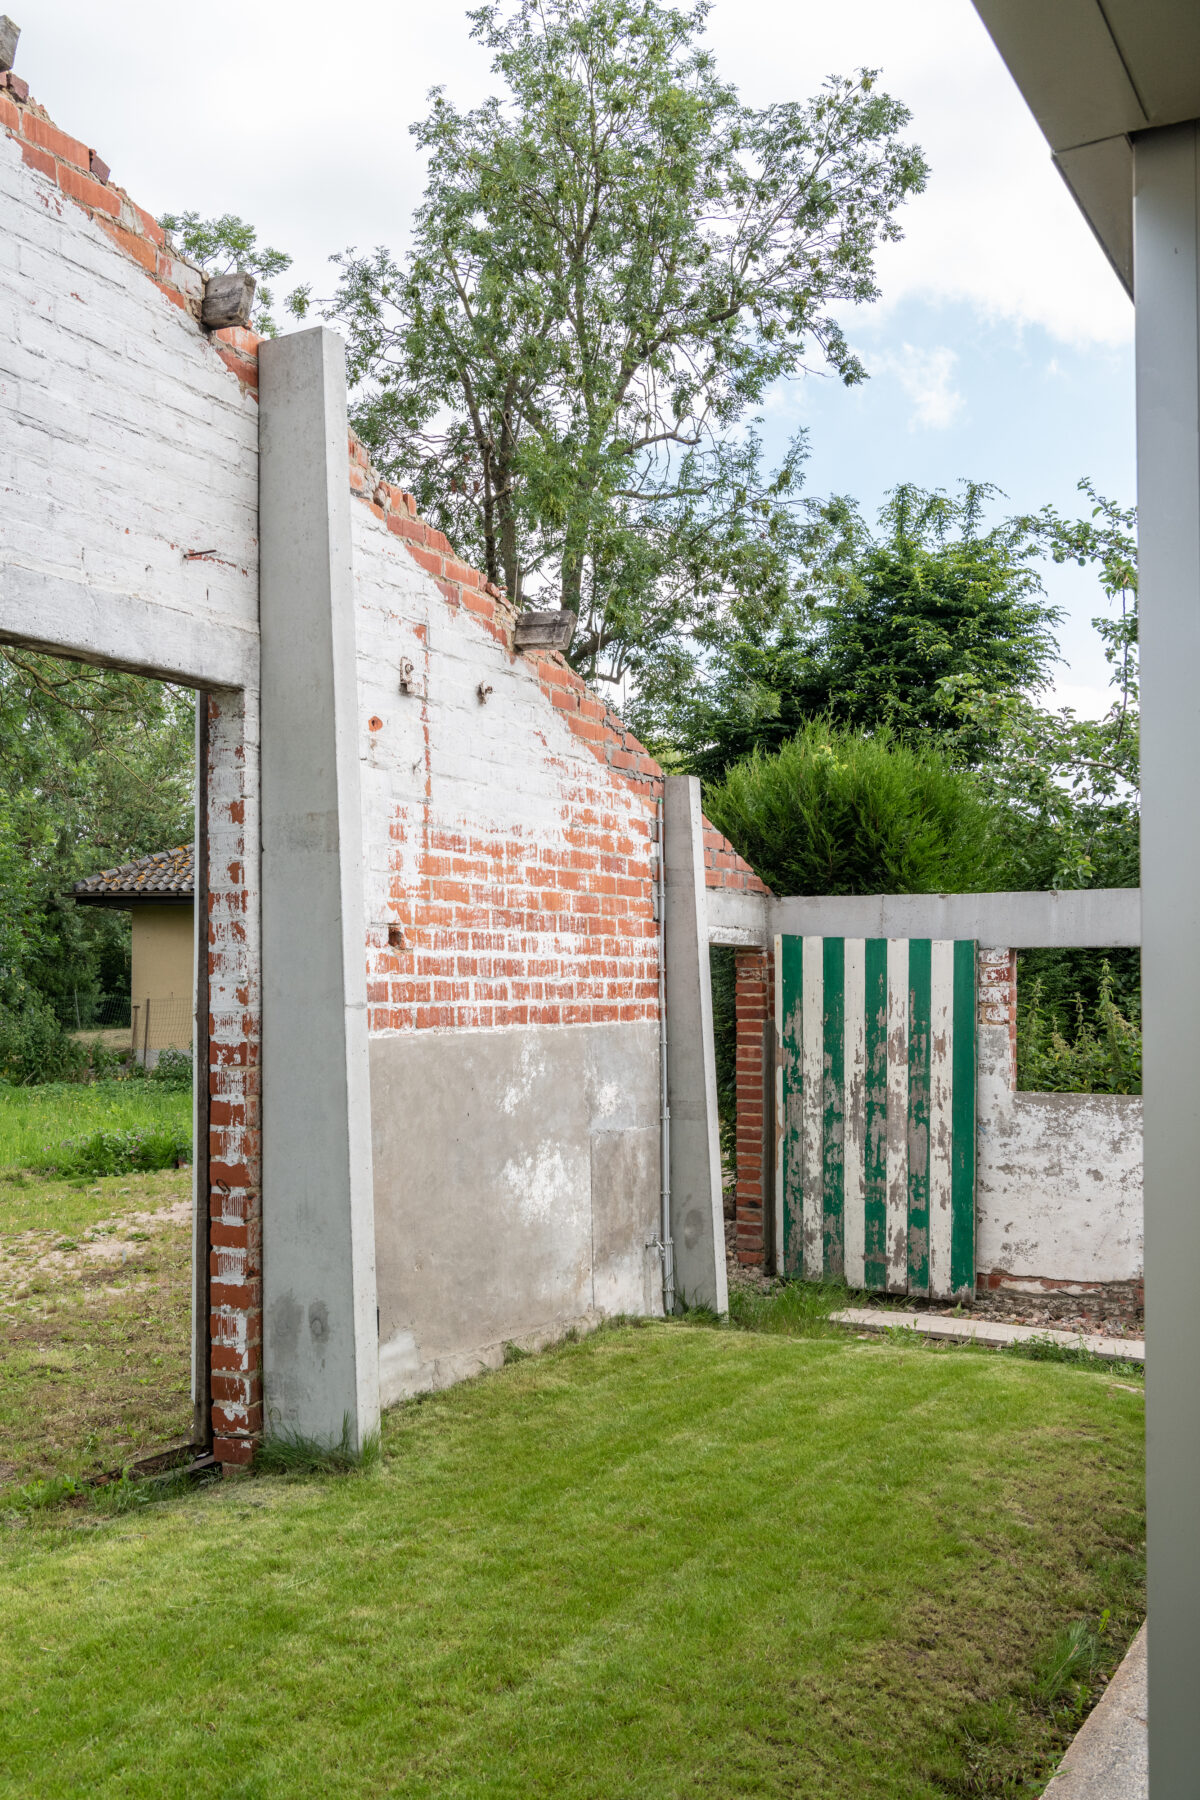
291	1453
1066	1672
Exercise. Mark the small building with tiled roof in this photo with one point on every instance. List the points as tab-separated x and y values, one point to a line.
158	893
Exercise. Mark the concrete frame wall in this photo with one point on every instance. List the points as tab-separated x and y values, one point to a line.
1167	278
130	526
128	539
320	1342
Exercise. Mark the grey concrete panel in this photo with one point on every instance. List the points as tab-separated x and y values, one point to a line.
1167	249
44	611
320	1347
1067	65
1104	917
697	1219
1100	177
516	1185
625	1175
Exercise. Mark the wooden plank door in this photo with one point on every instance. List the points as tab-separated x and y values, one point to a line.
875	1113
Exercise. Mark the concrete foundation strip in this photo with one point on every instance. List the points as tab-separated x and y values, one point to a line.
1107	1759
998	1336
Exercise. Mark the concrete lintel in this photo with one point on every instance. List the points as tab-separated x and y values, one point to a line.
736	917
697	1218
40	610
320	1330
1105	918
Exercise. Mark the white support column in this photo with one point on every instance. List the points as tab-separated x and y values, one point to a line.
320	1336
697	1215
1167	286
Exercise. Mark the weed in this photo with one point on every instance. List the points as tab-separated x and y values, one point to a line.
1065	1674
291	1453
513	1353
1046	1349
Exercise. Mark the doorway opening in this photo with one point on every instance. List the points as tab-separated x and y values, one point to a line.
105	1239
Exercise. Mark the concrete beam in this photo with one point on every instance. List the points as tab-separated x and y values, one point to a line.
697	1216
1167	251
320	1330
736	917
1103	918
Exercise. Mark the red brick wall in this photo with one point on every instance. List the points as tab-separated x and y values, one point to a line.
755	1013
234	1035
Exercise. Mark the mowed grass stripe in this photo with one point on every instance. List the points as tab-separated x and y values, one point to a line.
667	1561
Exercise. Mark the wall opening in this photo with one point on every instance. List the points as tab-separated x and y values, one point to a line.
104	1166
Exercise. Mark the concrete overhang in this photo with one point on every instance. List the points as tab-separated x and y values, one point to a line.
1093	73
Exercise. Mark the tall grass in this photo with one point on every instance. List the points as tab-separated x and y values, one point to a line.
37	1121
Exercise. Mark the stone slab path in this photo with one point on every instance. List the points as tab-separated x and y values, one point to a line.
966	1330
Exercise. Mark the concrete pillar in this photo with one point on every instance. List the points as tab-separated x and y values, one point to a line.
1167	286
697	1221
320	1331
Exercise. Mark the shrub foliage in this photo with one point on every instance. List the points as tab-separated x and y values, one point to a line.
837	812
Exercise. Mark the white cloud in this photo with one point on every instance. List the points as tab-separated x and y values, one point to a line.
927	377
299	121
996	226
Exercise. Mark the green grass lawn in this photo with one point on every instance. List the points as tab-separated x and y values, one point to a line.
95	1291
34	1121
667	1561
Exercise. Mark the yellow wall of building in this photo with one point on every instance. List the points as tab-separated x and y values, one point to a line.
163	972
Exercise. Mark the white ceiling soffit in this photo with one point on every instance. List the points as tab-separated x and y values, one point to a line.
1092	71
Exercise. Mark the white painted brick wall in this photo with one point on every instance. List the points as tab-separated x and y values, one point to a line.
124	443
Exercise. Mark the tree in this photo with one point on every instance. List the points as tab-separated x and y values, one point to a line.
1070	784
886	630
835	811
219	246
611	266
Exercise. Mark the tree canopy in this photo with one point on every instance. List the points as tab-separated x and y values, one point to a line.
883	630
614	260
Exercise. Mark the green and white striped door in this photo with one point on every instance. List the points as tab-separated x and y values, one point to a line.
875	1112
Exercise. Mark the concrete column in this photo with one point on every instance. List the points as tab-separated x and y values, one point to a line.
697	1221
320	1331
1167	286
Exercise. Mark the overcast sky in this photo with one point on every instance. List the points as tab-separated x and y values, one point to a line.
1002	347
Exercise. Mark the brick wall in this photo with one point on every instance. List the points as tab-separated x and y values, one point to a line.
509	813
997	998
81	175
755	1015
234	1036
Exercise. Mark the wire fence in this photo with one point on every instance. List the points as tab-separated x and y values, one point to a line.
157	1025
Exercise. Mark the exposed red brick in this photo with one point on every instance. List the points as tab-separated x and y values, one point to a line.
87	192
46	136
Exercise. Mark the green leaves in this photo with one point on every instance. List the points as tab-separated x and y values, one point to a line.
837	812
222	245
610	268
900	628
96	767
